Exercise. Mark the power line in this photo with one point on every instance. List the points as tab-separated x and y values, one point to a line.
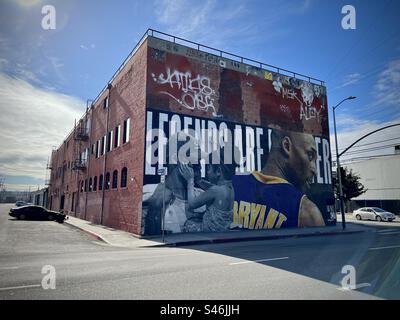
368	157
342	59
394	111
387	112
371	50
370	149
367	144
379	68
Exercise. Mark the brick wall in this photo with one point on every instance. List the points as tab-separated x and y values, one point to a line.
119	208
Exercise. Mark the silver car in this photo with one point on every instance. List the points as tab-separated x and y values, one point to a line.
373	213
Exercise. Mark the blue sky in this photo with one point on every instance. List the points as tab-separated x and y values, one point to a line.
47	75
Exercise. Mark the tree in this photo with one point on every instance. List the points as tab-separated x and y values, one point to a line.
351	185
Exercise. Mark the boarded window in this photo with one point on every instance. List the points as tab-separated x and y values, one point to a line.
124	177
109	141
107	181
117	133
115	179
101	182
105	103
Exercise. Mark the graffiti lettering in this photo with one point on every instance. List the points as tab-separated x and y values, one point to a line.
268	75
196	93
235	64
289	93
203	56
284	108
308	113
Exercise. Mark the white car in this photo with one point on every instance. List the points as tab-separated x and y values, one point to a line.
373	213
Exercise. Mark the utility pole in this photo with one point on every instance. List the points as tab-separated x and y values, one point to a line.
338	163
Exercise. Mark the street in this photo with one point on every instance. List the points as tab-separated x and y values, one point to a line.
294	268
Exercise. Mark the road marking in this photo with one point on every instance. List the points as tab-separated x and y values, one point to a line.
381	248
358	286
101	244
255	261
387	230
9	268
388	233
21	287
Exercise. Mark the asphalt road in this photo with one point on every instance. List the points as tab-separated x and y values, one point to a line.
295	268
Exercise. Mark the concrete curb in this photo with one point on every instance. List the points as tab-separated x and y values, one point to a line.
253	238
91	233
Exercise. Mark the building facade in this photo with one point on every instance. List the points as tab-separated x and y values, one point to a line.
381	178
122	166
40	197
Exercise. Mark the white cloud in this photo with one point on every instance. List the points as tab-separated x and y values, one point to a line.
32	121
85	47
216	23
28	3
303	6
387	87
350	79
372	145
205	22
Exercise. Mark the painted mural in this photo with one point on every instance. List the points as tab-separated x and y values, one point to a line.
230	146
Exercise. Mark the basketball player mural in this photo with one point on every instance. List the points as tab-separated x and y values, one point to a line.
276	196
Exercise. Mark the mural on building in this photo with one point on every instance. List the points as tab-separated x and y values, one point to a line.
239	147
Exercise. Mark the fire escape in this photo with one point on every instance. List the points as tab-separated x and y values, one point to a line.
81	135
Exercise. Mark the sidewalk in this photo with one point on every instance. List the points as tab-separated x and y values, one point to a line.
124	239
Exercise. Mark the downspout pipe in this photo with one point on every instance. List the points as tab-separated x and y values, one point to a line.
105	154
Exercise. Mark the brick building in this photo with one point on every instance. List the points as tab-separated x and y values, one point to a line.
100	173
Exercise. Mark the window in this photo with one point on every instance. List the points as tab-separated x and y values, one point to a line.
101	182
105	103
97	148
87	126
95	183
124	177
82	182
109	141
115	179
107	181
93	148
86	185
102	146
90	184
125	135
117	135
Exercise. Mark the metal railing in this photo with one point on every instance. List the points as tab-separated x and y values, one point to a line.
232	56
81	134
79	164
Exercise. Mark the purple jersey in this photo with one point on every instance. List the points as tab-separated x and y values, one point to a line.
265	202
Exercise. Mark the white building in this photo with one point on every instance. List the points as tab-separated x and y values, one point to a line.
381	177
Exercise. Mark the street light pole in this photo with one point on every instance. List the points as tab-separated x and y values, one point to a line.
338	163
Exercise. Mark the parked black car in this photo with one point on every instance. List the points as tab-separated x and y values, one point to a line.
36	213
